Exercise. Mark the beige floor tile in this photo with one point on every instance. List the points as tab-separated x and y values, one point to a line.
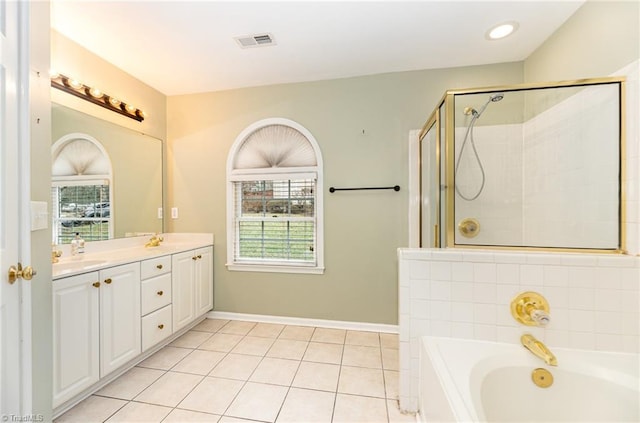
288	349
358	356
236	366
228	419
361	381
210	325
303	405
212	395
395	416
253	345
389	340
140	412
221	342
199	362
183	416
170	389
321	352
266	330
191	339
358	409
367	339
390	360
332	336
92	409
237	327
165	359
257	401
391	384
276	371
131	383
297	333
320	376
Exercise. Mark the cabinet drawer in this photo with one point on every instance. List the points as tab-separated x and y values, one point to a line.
156	293
156	327
155	267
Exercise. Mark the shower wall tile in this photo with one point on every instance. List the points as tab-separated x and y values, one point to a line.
594	301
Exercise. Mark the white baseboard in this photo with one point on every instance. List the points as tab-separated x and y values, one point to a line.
299	321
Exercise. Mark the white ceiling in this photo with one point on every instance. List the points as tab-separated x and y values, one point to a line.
181	47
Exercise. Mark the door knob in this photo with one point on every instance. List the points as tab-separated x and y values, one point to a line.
17	272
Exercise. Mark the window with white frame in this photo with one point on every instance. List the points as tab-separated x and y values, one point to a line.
274	199
81	190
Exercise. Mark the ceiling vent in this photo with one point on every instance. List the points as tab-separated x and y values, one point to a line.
255	40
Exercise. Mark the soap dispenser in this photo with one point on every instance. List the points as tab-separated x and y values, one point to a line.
77	245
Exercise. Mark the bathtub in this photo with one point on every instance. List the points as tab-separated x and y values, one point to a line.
468	381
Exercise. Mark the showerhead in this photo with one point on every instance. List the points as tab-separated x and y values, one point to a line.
493	98
496	97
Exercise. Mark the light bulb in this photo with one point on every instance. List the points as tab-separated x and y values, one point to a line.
130	109
114	102
75	84
95	93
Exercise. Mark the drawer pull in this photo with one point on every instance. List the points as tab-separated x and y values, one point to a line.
107	281
96	284
159	266
160	326
160	292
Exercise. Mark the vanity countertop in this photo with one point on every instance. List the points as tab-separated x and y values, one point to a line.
102	254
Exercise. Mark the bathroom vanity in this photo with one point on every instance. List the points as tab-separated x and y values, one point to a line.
120	302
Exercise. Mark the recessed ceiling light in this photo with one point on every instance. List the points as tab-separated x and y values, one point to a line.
502	30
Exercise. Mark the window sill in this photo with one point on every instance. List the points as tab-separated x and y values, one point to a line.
275	269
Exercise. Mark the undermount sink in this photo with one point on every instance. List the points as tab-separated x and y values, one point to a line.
76	265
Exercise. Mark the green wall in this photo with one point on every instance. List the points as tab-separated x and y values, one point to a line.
362	229
598	40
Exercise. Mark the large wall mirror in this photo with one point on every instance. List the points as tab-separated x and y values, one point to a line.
106	179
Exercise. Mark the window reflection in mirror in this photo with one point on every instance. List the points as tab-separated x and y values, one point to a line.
114	196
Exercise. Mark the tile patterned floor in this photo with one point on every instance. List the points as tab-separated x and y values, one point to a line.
236	371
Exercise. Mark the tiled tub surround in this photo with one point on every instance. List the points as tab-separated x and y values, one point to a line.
594	301
240	371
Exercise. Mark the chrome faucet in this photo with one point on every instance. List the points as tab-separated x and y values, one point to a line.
538	349
154	241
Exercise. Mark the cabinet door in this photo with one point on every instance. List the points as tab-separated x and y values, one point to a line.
120	339
204	280
182	289
75	335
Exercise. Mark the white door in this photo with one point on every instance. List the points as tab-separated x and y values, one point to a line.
204	280
14	244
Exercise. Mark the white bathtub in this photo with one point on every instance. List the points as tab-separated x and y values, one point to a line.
465	381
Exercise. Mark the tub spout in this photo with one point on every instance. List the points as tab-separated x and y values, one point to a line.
538	349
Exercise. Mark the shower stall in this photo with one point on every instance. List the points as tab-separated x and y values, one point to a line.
535	166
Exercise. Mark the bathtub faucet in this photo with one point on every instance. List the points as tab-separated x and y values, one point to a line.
538	349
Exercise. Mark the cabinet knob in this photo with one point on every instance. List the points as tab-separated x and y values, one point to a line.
160	326
160	292
159	266
107	281
96	284
194	258
199	256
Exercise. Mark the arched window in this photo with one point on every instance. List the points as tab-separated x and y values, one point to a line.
274	199
81	189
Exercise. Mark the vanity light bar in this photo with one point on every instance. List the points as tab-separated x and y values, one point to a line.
95	96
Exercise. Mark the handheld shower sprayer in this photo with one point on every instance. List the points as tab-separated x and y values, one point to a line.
470	111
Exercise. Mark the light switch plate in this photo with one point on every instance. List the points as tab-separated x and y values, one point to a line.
174	212
39	215
159	212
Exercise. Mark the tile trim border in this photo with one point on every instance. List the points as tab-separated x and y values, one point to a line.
300	321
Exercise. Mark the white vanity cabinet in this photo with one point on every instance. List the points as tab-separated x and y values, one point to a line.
119	316
76	338
192	285
118	305
156	301
96	321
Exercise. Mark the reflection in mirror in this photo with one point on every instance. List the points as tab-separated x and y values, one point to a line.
106	179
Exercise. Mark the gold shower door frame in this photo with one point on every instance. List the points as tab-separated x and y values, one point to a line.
448	102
